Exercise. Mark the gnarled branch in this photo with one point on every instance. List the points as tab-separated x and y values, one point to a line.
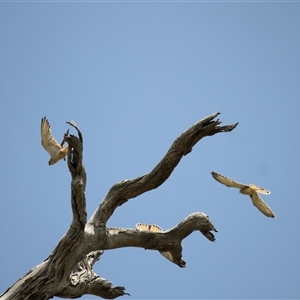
127	189
68	272
84	280
167	241
45	280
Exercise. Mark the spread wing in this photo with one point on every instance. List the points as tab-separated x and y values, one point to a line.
154	228
258	189
227	181
48	141
261	205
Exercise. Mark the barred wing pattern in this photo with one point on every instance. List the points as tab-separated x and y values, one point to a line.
154	228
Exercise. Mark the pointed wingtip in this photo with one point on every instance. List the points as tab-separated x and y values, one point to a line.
214	174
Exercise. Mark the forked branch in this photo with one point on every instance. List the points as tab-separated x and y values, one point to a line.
68	272
166	241
127	189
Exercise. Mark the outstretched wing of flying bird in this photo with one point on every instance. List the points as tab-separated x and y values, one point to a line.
251	189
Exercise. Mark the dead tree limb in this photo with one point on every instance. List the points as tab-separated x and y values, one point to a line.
127	189
67	272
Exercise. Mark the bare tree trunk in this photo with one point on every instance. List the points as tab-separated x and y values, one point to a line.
67	272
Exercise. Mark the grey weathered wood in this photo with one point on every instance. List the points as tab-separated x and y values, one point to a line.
68	272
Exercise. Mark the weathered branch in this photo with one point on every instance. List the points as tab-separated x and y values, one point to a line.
56	269
169	240
62	260
126	189
84	280
68	272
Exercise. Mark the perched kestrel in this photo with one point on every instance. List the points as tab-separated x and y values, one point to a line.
251	190
56	151
168	255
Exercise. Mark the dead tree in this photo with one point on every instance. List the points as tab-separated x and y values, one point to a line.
68	271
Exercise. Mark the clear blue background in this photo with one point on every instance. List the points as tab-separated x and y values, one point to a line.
134	76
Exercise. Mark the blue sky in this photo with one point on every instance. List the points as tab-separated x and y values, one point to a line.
134	76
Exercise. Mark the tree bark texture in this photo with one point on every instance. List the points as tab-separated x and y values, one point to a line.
68	271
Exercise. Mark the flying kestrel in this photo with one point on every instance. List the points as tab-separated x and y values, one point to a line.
168	255
56	151
251	190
